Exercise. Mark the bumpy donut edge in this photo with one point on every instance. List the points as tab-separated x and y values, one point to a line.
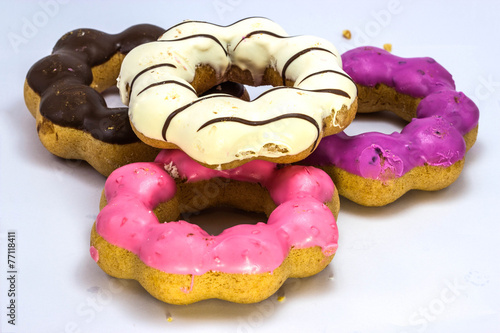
204	78
375	193
205	75
186	288
70	143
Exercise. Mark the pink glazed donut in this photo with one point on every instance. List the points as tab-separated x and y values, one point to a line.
374	169
179	263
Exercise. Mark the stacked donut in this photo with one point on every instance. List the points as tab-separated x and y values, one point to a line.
185	99
375	169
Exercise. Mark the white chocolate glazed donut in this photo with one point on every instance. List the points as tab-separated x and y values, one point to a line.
160	82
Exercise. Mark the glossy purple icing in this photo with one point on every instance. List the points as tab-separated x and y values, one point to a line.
417	77
434	137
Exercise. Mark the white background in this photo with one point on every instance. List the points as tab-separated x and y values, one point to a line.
427	263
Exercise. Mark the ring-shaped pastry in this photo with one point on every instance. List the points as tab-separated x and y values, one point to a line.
178	262
313	97
63	92
374	169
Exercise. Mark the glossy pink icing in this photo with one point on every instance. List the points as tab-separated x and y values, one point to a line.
301	219
434	137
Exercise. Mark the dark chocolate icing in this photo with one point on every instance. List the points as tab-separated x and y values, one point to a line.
63	80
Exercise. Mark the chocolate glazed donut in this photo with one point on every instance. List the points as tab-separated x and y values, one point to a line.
63	92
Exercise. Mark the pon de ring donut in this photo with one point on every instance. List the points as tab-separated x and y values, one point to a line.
312	96
180	263
375	169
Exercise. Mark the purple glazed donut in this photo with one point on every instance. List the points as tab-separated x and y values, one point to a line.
374	169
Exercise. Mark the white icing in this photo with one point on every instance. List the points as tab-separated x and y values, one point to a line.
223	142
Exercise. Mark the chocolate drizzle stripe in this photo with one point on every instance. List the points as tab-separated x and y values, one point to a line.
298	54
329	91
265	122
182	108
274	89
217	25
256	32
339	92
326	71
152	85
145	70
215	39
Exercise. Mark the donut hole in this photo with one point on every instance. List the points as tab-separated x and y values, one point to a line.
382	109
113	100
382	121
112	97
215	220
217	204
254	92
